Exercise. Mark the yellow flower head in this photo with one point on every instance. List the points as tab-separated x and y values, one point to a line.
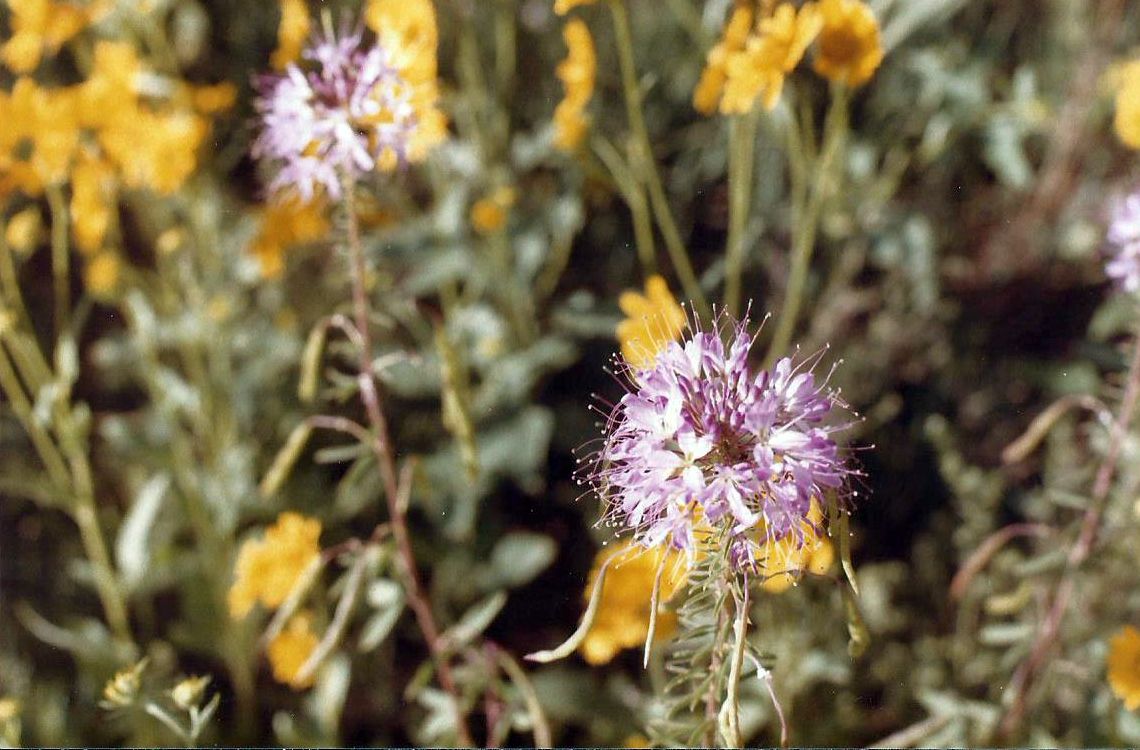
267	568
653	320
710	87
562	7
40	135
783	561
287	222
1124	666
408	32
40	26
24	230
103	273
188	693
768	56
622	619
1127	119
849	49
577	73
93	202
291	33
290	649
489	214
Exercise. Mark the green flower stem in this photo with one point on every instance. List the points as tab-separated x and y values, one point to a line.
806	219
634	198
730	711
646	166
741	159
60	261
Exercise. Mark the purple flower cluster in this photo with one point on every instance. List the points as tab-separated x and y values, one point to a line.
701	443
1123	265
347	113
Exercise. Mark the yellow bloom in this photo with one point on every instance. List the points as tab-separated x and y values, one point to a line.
287	222
1124	666
291	33
213	99
267	568
653	320
562	7
622	619
1127	119
489	214
290	649
710	87
407	29
102	274
156	150
122	689
188	693
92	202
767	57
636	740
783	561
24	230
577	73
40	26
39	137
108	95
849	48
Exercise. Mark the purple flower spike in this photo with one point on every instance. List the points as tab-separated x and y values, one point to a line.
1123	265
344	115
700	443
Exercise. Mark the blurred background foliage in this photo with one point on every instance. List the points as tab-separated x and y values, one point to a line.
957	276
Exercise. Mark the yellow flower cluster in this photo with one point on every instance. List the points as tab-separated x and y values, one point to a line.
755	55
287	221
290	649
291	32
408	32
652	320
562	7
43	26
783	561
577	73
489	214
268	568
100	135
622	619
1127	120
1124	666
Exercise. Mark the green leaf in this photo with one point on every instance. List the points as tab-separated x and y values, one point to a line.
520	556
132	546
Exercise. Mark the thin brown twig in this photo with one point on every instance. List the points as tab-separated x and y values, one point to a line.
1023	678
382	447
981	557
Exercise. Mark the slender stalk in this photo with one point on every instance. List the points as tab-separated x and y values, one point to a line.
1050	629
60	262
646	166
806	219
382	447
635	199
741	158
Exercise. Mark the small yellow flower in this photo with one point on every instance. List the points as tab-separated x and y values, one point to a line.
562	7
122	689
407	29
188	693
213	99
636	740
287	222
1127	118
577	73
24	230
93	204
654	319
170	240
710	87
489	214
40	26
290	649
267	568
1124	666
622	619
291	33
849	48
103	273
767	57
783	561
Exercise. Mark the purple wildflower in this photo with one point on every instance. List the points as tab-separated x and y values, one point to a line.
1124	236
700	443
349	112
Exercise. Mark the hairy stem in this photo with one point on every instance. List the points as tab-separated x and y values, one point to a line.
385	460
